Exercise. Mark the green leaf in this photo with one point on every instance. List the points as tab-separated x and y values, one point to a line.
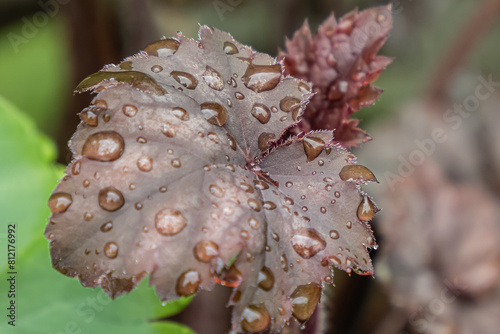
45	300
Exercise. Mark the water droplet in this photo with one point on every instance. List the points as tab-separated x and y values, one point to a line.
331	259
142	140
366	209
264	139
138	206
348	225
323	209
104	146
261	113
246	187
216	190
261	78
232	142
304	88
239	96
188	283
268	248
213	79
276	237
261	185
307	243
304	300
321	162
87	216
268	205
156	69
180	113
254	204
185	79
111	250
229	48
304	208
313	147
176	163
289	102
213	137
145	164
168	130
131	186
334	234
170	222
126	65
60	202
75	169
214	113
337	194
205	250
162	48
265	280
254	223
284	263
129	110
111	199
86	183
255	318
106	227
357	172
289	201
244	234
89	117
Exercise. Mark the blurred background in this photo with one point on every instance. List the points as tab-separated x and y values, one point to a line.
436	153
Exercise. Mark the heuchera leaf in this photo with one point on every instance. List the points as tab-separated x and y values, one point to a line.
177	170
341	62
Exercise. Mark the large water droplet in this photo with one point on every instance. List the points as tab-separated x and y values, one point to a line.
104	146
357	172
255	318
169	222
60	202
188	283
162	48
265	280
213	79
313	147
261	78
229	48
264	139
185	79
111	199
261	112
366	209
111	250
214	113
216	191
145	164
205	250
180	113
289	102
304	300
307	243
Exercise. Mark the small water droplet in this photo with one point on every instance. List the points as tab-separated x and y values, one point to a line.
334	234
254	223
232	142
213	137
356	172
255	318
239	96
304	88
60	202
214	113
205	250
321	162
185	79
289	201
304	300
176	163
131	186
229	48
244	234
111	250
288	103
284	263
138	206
268	205
180	113
264	139
261	185
307	243
188	283
323	209
89	117
169	222
129	110
213	79
253	204
366	209
337	194
162	48
86	183
145	164
348	225
156	69
168	129
104	146
111	199
106	227
265	280
142	140
216	191
261	113
276	237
